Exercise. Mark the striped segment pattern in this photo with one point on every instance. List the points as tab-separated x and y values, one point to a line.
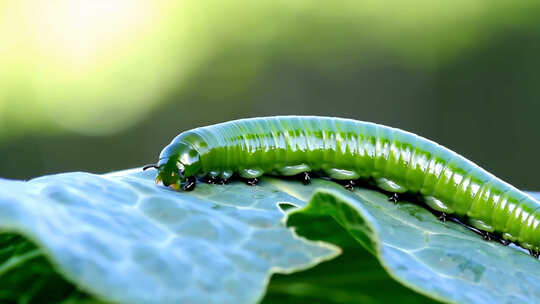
346	149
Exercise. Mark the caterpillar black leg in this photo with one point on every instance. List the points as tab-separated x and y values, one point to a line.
533	253
442	217
212	180
305	178
504	242
190	184
393	198
349	185
481	233
498	238
216	180
488	236
252	181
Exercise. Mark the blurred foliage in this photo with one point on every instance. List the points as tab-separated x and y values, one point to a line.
100	85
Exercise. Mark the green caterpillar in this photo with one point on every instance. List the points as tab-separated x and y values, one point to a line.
344	149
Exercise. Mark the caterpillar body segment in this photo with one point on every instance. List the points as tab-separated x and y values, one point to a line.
344	149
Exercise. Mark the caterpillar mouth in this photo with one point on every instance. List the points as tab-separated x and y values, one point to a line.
173	181
174	186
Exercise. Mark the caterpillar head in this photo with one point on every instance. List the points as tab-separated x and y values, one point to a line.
177	162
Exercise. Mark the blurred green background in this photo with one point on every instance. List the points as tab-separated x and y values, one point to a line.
103	85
